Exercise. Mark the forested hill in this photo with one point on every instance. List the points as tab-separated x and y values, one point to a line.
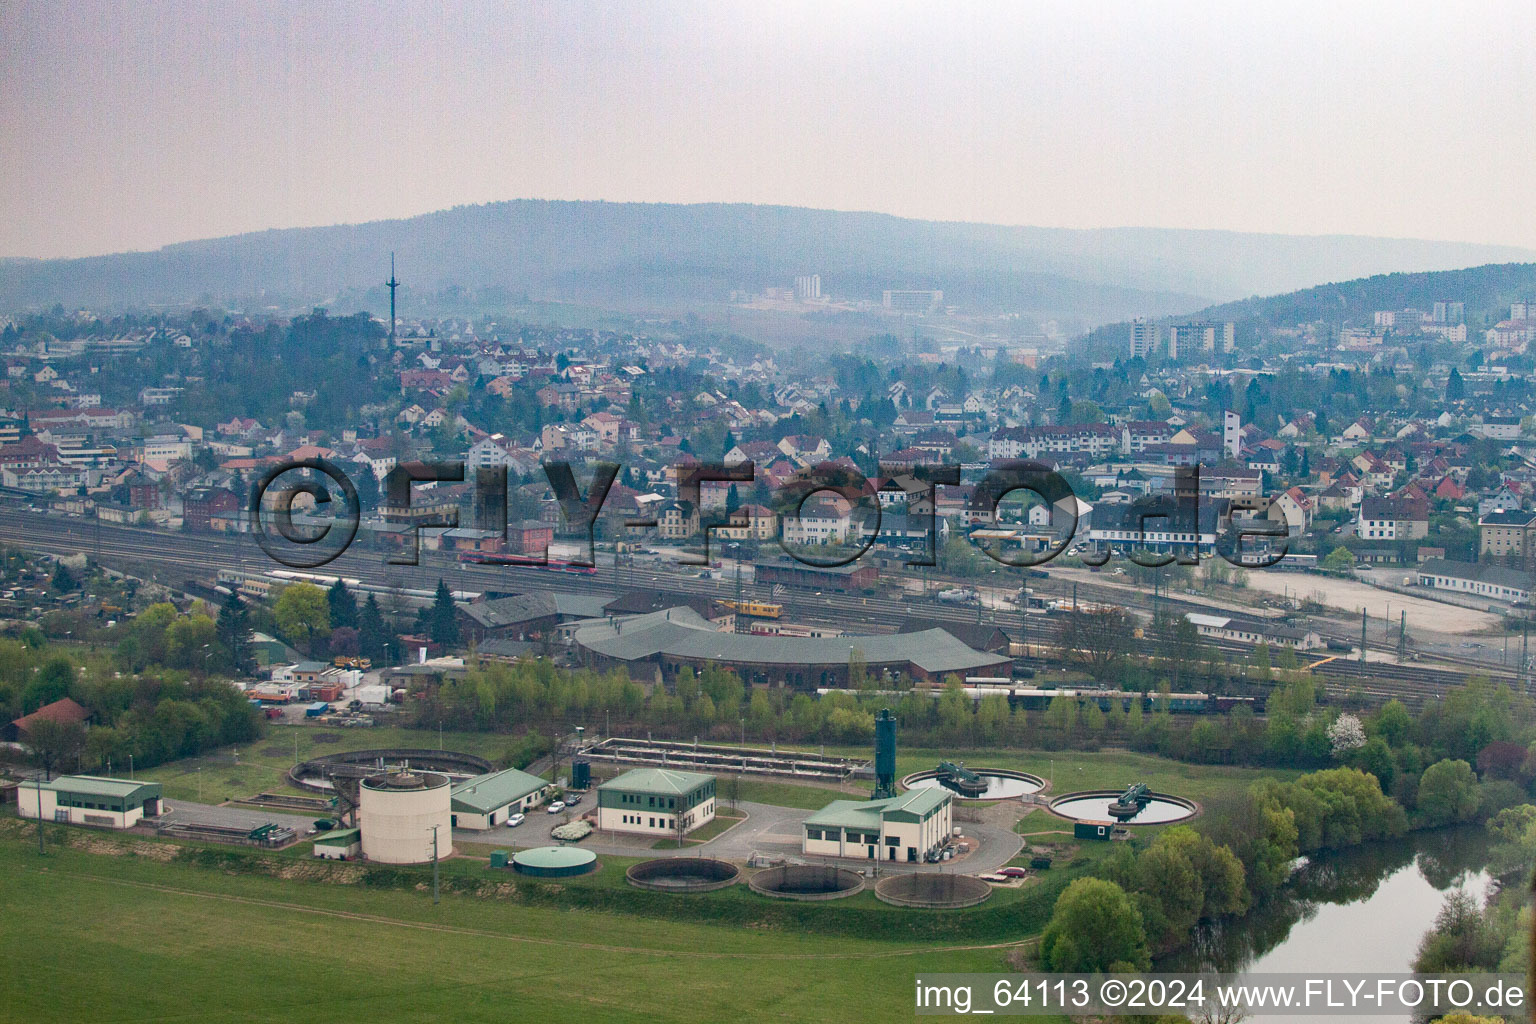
636	254
1487	292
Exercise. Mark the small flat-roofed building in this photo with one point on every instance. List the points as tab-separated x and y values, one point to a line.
656	801
907	827
1093	830
489	800
90	800
339	844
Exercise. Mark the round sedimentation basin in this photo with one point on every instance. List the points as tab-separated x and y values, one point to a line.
929	890
1001	784
807	882
553	861
682	874
311	775
1093	805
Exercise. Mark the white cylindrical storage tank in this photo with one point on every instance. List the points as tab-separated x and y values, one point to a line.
396	813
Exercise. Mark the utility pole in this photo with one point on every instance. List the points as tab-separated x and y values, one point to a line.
1402	637
1362	635
40	851
434	865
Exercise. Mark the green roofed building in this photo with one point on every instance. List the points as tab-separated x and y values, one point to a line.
90	800
907	827
489	800
656	801
339	844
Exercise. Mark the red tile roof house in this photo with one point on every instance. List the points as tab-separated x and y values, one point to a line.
63	710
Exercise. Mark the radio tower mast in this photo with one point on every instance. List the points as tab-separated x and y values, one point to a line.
392	284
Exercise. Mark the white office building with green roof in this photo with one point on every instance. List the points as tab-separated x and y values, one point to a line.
489	800
656	801
90	800
902	828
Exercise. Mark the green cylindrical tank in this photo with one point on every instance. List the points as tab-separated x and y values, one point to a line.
554	861
581	775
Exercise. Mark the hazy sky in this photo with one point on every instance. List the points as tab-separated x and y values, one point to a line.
128	126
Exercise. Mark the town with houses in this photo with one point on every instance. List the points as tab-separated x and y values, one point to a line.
1181	552
702	512
1403	442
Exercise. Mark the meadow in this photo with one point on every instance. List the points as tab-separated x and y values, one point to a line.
98	935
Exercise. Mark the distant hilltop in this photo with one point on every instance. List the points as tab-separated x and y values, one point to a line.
637	255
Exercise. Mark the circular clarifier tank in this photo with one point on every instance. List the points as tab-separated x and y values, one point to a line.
932	891
1001	784
806	882
1161	808
682	874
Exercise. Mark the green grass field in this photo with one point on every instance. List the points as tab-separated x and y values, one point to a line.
234	773
95	937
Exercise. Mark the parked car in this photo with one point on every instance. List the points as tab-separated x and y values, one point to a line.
1013	872
572	799
557	807
515	820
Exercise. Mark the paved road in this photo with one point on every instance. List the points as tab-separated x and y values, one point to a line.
770	830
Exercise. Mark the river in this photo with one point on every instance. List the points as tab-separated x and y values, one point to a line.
1360	910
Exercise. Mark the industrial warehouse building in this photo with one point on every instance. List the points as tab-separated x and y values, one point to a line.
904	828
1254	631
656	801
90	800
523	616
489	800
834	579
679	638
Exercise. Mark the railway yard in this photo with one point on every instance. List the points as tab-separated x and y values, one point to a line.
193	562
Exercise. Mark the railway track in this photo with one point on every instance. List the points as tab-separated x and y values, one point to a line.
178	559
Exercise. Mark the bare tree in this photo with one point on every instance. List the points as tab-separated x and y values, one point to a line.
1098	640
55	743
